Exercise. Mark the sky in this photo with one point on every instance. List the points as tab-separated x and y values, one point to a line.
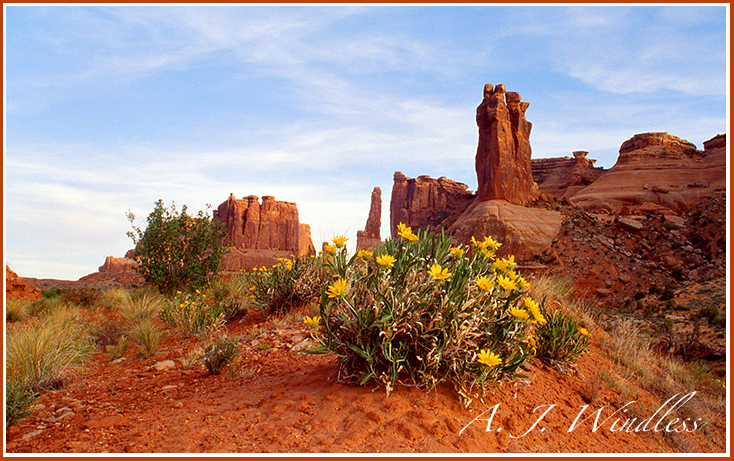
108	108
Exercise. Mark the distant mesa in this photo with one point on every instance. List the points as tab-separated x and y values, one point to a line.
261	232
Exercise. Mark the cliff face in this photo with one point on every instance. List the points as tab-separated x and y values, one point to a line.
657	172
424	202
563	177
264	231
502	162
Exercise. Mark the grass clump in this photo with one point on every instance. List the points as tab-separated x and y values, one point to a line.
421	311
40	353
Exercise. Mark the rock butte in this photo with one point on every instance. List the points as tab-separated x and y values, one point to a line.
260	233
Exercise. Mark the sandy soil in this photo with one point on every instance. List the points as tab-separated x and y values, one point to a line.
275	399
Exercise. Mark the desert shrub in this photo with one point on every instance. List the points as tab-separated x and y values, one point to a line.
712	315
421	311
219	353
38	354
655	290
561	341
118	350
82	297
18	399
141	305
177	251
192	314
51	292
114	298
287	285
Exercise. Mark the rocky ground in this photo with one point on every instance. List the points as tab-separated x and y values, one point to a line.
276	398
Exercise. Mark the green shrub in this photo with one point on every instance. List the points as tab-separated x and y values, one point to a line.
178	251
285	286
219	353
420	311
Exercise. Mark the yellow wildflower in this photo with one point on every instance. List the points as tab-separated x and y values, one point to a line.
364	254
337	289
533	345
489	242
506	283
406	232
330	249
521	314
386	260
489	359
313	321
534	308
484	283
523	283
339	240
458	252
288	264
504	265
584	331
438	274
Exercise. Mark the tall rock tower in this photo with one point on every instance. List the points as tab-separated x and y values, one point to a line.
504	171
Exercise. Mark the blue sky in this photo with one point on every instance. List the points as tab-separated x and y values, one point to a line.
110	108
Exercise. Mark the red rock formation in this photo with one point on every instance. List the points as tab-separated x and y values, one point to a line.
112	264
17	288
271	226
423	202
523	231
660	173
370	236
502	163
562	177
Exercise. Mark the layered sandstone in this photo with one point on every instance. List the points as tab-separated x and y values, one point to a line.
523	231
370	236
502	162
563	177
261	232
425	203
657	172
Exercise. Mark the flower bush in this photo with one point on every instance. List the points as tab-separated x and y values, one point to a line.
287	285
421	311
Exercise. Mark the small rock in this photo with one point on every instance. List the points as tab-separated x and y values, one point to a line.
68	414
31	434
630	223
165	365
298	337
307	343
604	291
625	278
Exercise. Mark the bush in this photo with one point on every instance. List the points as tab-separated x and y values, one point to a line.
192	314
218	354
421	312
177	251
287	285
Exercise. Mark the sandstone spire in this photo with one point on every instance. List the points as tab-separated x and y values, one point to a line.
503	154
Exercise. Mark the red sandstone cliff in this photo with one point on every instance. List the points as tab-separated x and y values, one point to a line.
370	236
424	202
563	177
657	172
